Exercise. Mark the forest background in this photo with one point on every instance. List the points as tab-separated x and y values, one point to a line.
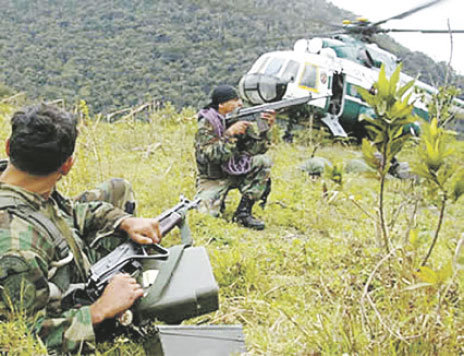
118	53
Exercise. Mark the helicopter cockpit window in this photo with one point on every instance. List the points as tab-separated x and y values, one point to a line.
365	57
274	66
309	77
260	64
290	72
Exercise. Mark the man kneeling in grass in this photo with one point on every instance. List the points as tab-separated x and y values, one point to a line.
230	155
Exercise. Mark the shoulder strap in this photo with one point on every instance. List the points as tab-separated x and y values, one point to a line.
164	275
39	220
3	164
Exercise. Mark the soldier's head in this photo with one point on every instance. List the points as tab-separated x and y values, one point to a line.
225	99
42	138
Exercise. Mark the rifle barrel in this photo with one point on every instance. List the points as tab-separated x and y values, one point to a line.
270	106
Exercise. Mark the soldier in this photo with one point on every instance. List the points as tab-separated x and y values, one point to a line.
231	155
48	242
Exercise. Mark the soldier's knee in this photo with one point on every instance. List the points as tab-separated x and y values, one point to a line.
121	186
121	194
208	207
263	161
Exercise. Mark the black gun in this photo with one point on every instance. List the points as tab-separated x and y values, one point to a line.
253	113
127	257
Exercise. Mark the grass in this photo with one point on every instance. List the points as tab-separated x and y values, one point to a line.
317	280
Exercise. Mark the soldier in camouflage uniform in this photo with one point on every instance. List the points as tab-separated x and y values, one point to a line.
231	156
48	242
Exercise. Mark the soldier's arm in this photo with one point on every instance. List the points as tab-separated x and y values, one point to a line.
25	287
96	219
258	143
25	256
255	147
214	149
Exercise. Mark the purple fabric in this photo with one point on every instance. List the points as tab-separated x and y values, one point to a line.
236	165
215	119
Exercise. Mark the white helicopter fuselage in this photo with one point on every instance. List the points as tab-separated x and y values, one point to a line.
311	68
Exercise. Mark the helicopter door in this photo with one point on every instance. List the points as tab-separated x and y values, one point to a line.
336	103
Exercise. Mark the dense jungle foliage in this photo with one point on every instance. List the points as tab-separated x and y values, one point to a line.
117	53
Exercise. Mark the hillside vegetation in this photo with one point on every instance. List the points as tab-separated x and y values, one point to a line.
118	53
317	280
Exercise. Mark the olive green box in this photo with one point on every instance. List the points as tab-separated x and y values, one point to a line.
192	340
191	291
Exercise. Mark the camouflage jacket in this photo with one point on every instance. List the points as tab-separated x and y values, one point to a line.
32	279
213	149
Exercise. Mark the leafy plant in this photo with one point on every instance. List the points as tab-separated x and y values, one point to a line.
444	180
441	105
393	112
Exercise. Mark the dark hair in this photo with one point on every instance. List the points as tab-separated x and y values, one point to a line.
42	138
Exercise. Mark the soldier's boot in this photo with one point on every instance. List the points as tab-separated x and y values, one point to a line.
243	215
266	193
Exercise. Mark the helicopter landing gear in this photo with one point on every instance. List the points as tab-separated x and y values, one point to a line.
332	121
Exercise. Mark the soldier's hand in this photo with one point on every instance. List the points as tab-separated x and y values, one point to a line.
117	297
269	116
142	230
237	128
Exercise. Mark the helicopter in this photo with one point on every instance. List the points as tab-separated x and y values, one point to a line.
332	67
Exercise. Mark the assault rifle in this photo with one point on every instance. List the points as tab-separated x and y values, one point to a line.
127	257
253	113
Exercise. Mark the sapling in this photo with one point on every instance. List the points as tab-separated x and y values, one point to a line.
393	107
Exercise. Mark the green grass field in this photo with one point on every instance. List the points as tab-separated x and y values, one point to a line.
317	280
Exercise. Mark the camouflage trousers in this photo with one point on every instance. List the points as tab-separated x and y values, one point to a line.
119	193
213	192
116	191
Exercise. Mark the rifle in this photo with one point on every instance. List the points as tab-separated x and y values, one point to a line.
253	113
127	257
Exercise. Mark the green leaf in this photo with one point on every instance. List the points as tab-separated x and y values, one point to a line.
417	286
382	84
369	151
413	238
422	171
433	127
366	95
381	108
445	273
405	88
427	275
444	174
372	121
457	190
394	80
398	143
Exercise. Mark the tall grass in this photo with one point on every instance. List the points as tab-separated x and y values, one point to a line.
317	280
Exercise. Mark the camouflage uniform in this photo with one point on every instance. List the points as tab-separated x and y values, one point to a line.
214	150
31	277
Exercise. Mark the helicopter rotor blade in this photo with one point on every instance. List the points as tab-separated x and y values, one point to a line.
407	13
305	35
420	30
